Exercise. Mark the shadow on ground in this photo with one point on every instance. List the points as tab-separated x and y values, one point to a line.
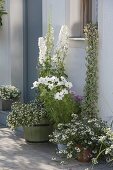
16	154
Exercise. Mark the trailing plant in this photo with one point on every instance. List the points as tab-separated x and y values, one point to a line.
2	10
83	132
90	104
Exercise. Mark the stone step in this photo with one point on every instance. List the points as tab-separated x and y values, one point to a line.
3	121
3	118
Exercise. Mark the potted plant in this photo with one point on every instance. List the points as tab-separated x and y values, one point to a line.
8	95
60	135
33	118
53	85
82	138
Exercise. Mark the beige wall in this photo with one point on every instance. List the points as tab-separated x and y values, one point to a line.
11	45
5	58
106	59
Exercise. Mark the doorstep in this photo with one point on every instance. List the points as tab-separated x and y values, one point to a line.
3	117
3	122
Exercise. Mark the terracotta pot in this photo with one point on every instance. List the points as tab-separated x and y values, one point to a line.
84	155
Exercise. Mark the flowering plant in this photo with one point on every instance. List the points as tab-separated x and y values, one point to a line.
28	115
9	92
53	86
84	133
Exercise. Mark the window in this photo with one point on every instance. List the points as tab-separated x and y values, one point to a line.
86	11
81	12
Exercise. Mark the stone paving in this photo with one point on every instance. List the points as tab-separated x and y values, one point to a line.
16	154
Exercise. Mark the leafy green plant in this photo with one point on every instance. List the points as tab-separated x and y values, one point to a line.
2	10
90	104
27	115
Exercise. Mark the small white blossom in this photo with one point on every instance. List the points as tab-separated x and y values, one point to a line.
69	155
102	138
77	149
107	151
94	161
68	85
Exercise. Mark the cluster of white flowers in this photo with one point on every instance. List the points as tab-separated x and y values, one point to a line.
46	45
60	95
42	50
9	92
52	82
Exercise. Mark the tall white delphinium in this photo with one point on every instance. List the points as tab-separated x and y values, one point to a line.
42	51
46	45
61	50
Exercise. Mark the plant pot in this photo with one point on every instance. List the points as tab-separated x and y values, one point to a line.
61	147
84	155
39	133
5	105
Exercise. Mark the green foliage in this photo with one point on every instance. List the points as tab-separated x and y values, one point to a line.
60	111
90	104
2	10
28	115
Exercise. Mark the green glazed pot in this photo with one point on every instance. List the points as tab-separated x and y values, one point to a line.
39	133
